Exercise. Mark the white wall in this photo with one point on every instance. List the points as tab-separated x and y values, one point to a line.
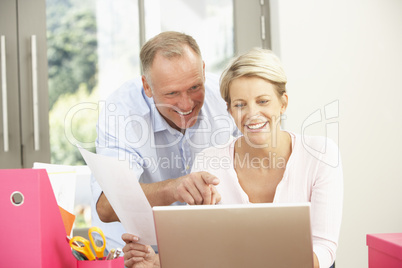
350	52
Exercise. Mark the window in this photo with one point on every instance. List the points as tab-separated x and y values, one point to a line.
210	22
93	48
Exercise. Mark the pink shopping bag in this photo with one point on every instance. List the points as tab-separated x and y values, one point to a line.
115	263
32	232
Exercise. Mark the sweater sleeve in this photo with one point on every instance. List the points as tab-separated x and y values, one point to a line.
326	204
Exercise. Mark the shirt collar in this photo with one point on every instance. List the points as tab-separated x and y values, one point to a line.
158	122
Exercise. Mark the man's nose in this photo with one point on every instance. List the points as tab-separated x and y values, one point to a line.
185	103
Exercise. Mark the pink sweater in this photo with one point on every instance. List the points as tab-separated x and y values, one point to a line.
313	174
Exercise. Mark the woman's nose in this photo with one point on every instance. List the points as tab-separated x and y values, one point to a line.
252	110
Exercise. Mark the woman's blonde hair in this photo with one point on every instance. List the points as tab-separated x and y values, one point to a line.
257	62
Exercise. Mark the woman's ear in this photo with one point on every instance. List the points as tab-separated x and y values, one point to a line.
147	87
285	101
228	108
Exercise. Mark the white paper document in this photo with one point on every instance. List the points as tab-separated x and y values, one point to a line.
121	187
63	180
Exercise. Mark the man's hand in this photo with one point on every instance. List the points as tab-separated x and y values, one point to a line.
137	255
196	189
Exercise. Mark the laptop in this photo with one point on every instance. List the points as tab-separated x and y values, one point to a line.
234	236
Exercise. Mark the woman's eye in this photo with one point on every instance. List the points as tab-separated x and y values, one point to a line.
239	105
263	101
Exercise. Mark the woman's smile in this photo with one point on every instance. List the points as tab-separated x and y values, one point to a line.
256	126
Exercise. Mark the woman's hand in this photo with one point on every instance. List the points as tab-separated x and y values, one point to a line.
137	255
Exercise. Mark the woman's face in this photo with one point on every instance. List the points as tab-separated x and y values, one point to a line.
256	109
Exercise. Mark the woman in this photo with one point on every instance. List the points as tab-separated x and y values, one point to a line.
268	164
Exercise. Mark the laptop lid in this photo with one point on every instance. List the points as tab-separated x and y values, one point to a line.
235	236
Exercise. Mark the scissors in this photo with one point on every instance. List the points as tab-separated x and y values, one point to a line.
83	246
97	245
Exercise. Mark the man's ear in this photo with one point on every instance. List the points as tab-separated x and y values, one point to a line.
285	101
147	87
203	69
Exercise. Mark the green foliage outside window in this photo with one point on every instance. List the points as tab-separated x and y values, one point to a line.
72	60
73	120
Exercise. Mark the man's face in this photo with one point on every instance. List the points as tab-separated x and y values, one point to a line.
177	86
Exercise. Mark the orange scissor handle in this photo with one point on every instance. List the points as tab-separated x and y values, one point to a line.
99	250
84	247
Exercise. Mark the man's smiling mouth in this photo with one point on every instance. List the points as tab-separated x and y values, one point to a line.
184	113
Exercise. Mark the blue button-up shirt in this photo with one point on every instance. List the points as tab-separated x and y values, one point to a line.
131	128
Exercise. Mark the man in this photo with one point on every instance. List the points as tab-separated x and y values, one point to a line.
159	124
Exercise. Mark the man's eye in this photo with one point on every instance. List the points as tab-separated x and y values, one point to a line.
194	87
171	93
